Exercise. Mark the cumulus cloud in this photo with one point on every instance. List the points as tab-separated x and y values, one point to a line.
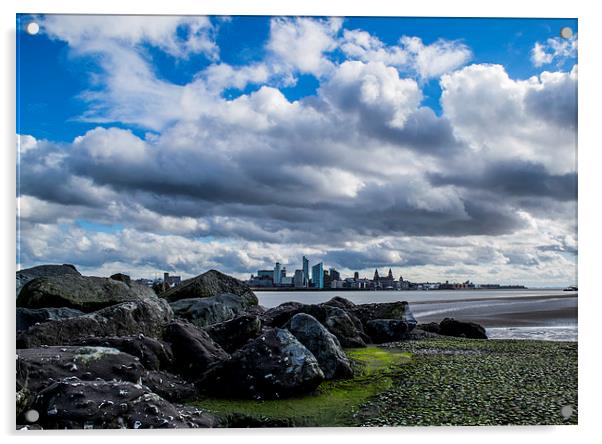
301	43
410	55
359	174
555	49
178	36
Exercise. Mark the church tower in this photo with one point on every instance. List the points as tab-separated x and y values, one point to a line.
376	276
390	277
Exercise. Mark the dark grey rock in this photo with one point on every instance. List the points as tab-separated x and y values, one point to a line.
211	283
37	368
85	293
122	278
193	349
275	365
233	334
75	404
28	274
203	312
431	327
387	330
323	345
342	324
153	354
26	317
452	327
387	310
146	316
340	302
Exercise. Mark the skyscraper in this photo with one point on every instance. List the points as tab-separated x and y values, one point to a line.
317	275
277	274
306	271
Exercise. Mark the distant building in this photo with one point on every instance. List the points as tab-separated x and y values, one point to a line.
171	281
299	280
334	275
306	271
317	275
326	279
286	281
356	276
277	274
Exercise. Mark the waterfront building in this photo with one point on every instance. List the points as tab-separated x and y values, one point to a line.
277	274
317	275
299	280
306	271
334	274
356	276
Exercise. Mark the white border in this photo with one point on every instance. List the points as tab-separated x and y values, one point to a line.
590	100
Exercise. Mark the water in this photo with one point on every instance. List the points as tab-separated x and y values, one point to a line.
273	298
546	314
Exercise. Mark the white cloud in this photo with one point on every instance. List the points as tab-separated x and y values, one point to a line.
178	36
411	55
301	43
555	49
503	119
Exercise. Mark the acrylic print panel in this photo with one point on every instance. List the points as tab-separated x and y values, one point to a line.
296	221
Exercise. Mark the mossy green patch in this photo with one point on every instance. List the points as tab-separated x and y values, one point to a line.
333	404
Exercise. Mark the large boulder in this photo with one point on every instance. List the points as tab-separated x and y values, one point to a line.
153	354
387	330
211	283
75	404
146	316
203	312
233	334
37	368
323	345
452	327
85	293
388	310
193	349
26	317
344	325
28	274
275	365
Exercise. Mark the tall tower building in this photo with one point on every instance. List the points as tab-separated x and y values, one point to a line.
376	276
317	275
277	274
390	276
306	271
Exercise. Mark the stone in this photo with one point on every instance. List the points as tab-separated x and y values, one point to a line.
431	327
386	330
28	274
146	316
340	302
203	312
193	349
153	353
387	310
347	328
85	293
452	327
74	404
211	283
323	345
26	317
233	334
37	368
275	365
121	278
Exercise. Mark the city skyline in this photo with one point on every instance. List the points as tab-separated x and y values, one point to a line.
184	144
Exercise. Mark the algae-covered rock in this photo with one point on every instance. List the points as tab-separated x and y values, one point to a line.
28	274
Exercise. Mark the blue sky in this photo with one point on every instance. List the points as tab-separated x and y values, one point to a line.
130	127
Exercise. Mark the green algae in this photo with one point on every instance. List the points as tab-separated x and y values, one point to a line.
333	404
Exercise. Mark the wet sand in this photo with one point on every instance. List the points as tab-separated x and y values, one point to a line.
536	311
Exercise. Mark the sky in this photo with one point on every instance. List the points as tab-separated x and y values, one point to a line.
444	149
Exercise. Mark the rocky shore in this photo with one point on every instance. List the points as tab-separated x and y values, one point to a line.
108	353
